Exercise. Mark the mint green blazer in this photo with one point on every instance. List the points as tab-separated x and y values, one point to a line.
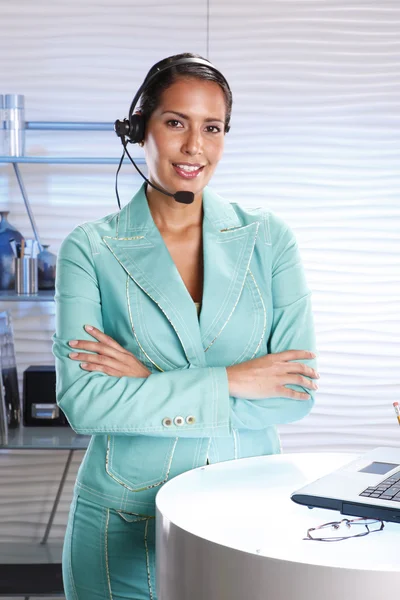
117	274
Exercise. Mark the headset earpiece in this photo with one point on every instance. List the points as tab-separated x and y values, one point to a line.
132	130
137	127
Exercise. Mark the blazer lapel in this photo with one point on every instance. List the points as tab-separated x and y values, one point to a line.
141	251
227	248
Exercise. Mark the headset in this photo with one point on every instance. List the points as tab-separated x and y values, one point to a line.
132	129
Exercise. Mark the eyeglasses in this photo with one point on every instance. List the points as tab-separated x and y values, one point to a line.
344	529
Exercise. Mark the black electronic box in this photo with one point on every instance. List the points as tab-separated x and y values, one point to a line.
39	397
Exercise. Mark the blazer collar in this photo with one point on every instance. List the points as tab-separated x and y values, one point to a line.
227	251
136	216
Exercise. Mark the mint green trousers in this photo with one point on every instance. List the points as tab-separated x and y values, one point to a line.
108	554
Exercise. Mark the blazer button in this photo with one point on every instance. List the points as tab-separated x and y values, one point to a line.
167	422
190	420
179	420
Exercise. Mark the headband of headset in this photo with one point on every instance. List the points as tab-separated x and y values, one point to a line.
133	128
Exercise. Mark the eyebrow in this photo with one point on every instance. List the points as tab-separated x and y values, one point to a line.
179	114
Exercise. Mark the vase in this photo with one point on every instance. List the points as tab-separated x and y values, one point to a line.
46	269
7	266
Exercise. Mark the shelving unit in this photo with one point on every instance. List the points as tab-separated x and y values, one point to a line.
35	569
41	296
58	160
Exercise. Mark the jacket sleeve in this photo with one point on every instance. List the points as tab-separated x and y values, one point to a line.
292	329
95	403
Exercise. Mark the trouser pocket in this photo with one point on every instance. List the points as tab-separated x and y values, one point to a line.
108	554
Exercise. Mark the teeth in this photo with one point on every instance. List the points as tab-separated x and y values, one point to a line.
187	168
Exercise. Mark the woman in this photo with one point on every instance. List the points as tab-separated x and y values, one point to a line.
184	336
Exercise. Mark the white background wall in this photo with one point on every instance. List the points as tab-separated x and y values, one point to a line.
315	137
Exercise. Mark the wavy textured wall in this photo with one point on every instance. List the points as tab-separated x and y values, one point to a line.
315	137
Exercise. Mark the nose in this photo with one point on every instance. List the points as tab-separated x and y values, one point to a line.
192	144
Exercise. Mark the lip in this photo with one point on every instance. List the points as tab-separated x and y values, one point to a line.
186	175
189	164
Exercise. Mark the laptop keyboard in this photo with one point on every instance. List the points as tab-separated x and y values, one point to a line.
389	489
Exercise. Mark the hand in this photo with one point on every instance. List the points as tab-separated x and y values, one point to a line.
267	376
109	357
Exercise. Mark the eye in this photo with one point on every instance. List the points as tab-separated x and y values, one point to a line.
213	129
174	123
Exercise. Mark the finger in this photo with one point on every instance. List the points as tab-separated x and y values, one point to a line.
101	369
99	359
295	367
293	395
300	380
97	347
296	355
104	338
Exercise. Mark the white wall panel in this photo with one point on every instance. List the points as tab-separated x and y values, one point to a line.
316	138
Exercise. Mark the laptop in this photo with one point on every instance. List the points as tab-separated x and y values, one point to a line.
366	487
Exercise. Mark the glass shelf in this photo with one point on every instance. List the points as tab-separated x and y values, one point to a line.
45	438
42	295
30	553
67	160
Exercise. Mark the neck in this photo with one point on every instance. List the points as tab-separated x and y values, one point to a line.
168	214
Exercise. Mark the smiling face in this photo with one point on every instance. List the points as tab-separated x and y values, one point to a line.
184	138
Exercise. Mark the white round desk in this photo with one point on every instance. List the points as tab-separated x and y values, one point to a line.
230	531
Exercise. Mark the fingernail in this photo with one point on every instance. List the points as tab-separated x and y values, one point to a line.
84	365
73	343
89	328
73	355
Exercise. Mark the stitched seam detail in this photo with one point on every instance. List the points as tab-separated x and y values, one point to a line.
103	496
106	553
102	529
235	454
265	314
253	294
196	453
168	456
133	329
267	230
116	429
220	313
135	514
134	520
208	450
112	430
167	467
172	325
127	239
227	296
71	577
147	560
147	337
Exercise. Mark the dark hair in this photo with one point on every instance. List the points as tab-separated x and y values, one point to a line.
151	95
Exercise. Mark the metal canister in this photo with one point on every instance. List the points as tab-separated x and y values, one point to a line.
26	276
14	124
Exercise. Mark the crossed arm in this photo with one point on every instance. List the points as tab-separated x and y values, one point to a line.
254	379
